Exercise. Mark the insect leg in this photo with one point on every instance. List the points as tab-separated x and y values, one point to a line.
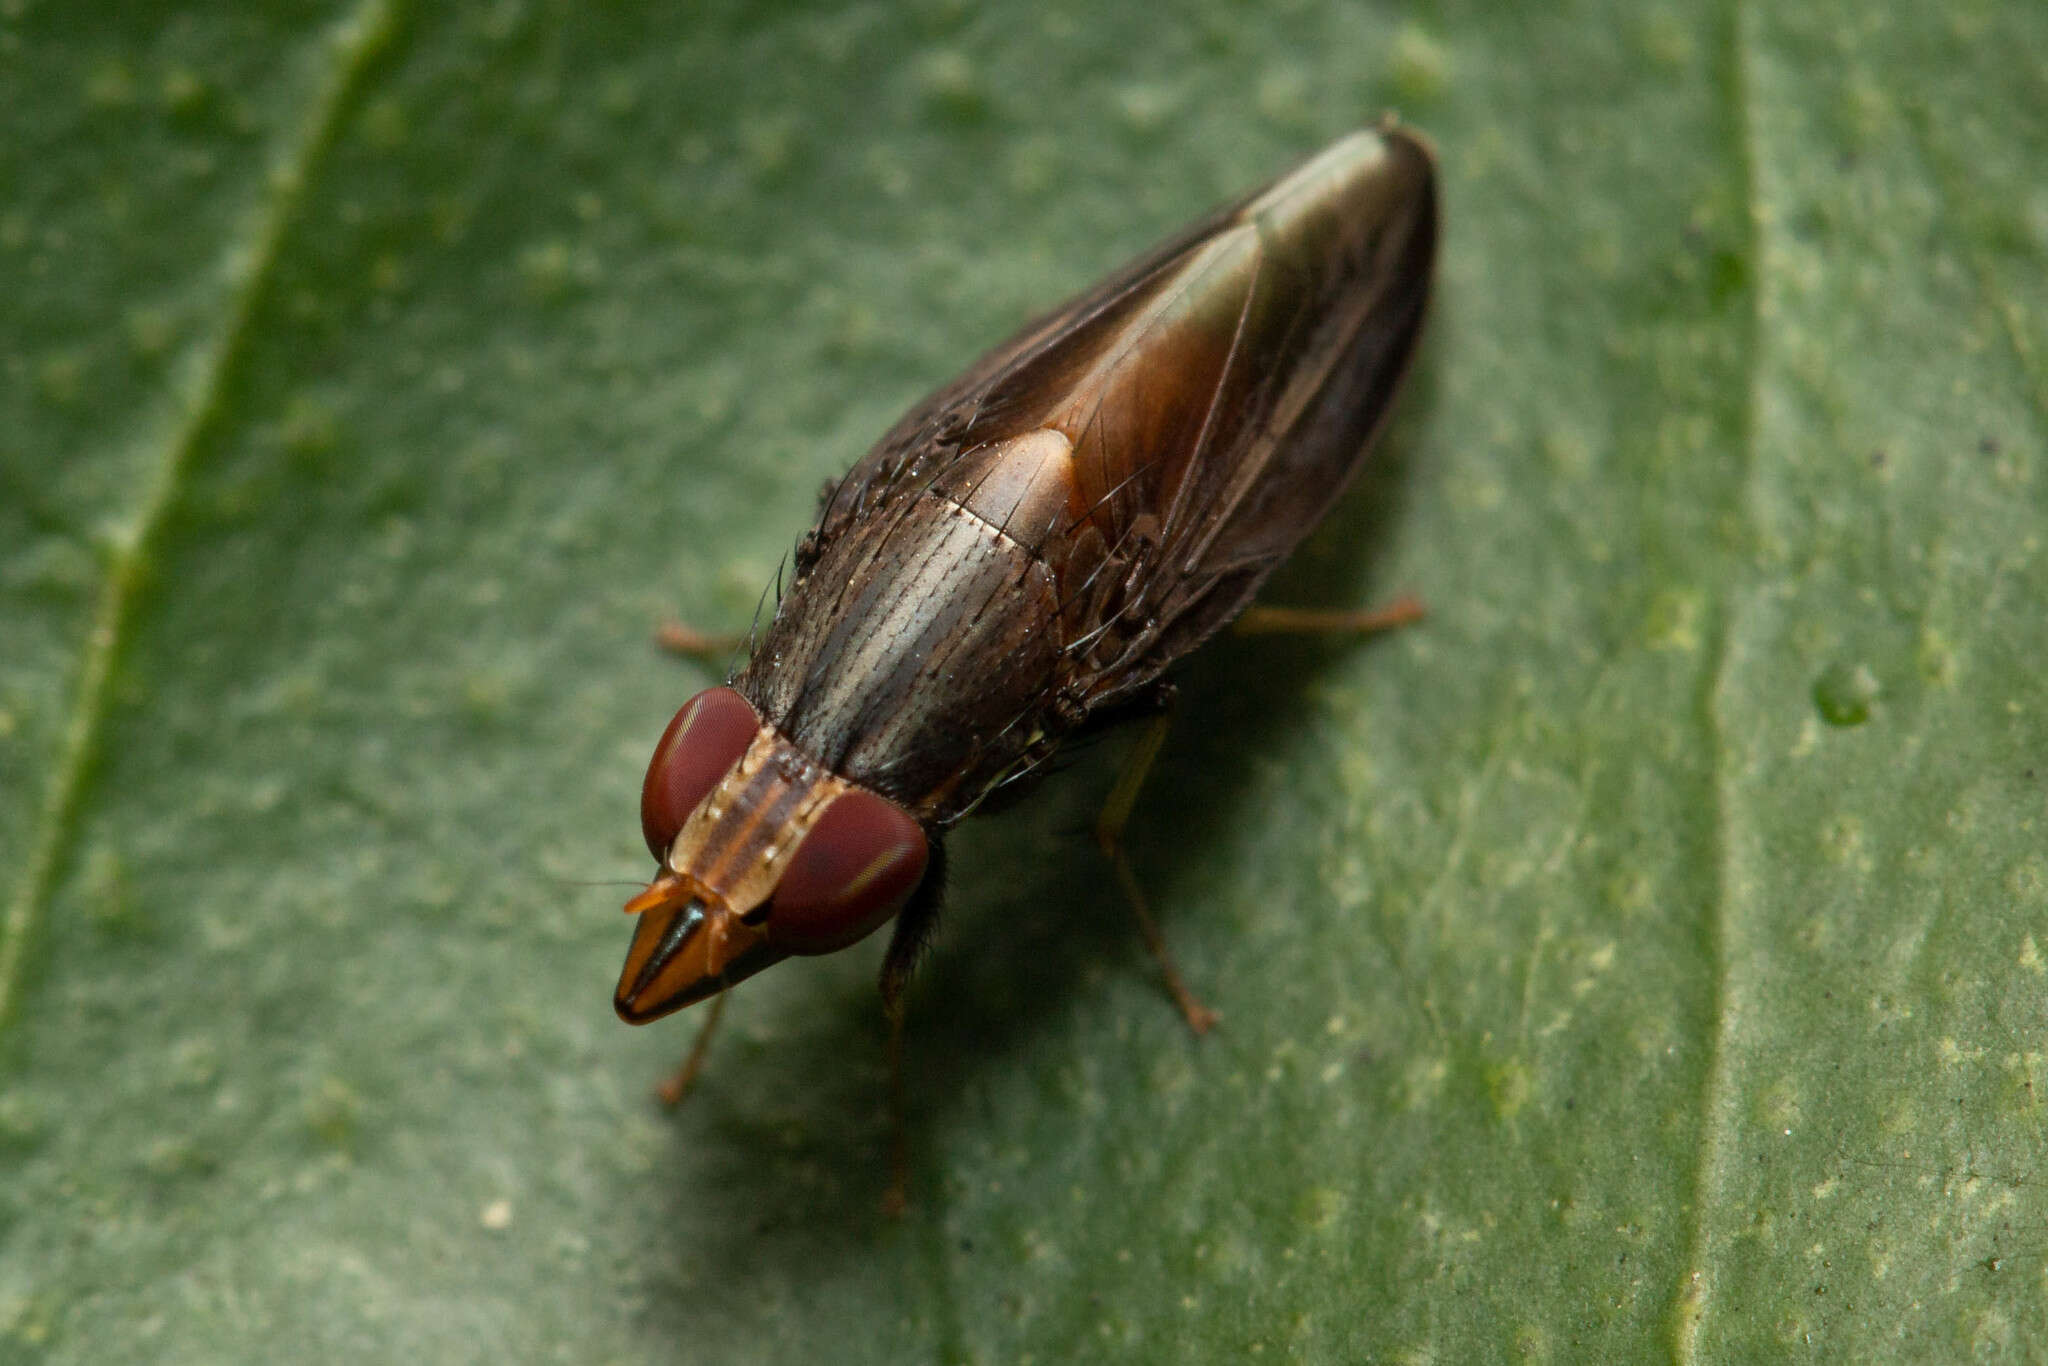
914	926
1405	610
679	639
1109	831
896	1198
674	1088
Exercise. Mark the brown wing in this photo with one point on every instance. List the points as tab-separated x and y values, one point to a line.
967	412
1219	393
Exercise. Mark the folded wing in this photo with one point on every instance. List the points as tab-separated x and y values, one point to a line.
1218	393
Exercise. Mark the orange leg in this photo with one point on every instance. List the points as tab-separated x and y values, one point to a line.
1109	832
1405	610
1116	812
675	1087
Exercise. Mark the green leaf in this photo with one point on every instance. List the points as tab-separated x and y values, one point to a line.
1642	959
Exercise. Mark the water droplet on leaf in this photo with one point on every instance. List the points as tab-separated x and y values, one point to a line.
1844	694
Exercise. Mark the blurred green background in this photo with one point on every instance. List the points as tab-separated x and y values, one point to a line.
1643	959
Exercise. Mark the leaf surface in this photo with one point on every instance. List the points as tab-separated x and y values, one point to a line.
1641	959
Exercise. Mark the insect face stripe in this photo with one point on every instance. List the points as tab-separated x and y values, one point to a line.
734	844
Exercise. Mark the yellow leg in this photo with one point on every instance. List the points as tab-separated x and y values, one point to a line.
673	1089
1109	831
1405	610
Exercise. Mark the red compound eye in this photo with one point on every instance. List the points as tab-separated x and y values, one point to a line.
706	738
855	868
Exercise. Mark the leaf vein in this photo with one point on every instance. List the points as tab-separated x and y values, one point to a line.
1716	1097
356	41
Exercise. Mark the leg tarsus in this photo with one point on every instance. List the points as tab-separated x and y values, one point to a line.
673	1088
1109	832
1405	610
1201	1019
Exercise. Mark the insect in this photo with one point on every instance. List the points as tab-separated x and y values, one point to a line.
1019	561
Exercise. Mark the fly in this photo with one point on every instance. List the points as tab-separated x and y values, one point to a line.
1020	560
